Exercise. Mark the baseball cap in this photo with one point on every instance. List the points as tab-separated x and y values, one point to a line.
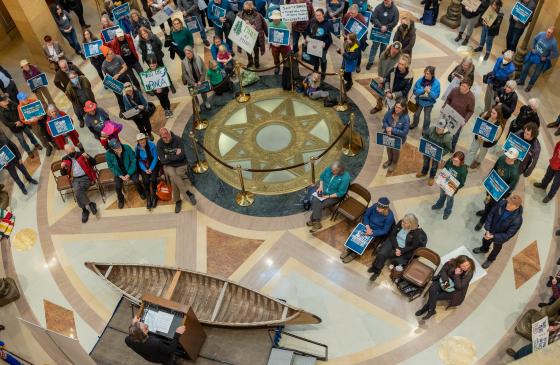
22	95
89	106
114	144
512	153
140	136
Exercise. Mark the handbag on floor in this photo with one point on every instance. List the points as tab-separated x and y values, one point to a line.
164	191
428	17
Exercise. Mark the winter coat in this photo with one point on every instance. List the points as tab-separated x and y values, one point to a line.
459	70
134	100
407	37
147	158
116	47
432	97
443	140
187	73
129	161
387	62
461	282
33	71
210	11
335	184
508	101
495	28
135	26
258	23
167	151
73	95
526	115
156	45
530	162
380	224
399	85
414	239
503	229
9	116
350	58
486	144
61	79
400	128
387	16
85	162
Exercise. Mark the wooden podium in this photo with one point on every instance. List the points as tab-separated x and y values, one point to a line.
194	336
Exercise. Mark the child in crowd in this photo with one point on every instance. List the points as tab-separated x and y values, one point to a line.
214	48
350	59
224	58
311	86
216	77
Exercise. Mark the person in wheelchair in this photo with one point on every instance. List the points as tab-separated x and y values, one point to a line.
451	284
399	245
378	219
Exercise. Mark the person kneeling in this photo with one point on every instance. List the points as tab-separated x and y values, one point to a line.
399	246
122	162
451	284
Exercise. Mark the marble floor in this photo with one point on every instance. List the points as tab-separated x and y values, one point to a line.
363	323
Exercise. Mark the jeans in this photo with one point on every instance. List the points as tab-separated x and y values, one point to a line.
373	51
524	351
21	139
202	30
497	247
554	176
536	73
486	39
426	166
427	116
72	38
11	167
455	139
513	36
441	201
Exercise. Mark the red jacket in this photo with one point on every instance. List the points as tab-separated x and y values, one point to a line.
116	47
85	164
555	160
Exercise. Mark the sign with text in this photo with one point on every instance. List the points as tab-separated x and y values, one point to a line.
453	120
315	47
243	34
539	334
161	16
60	126
121	11
495	185
294	12
379	90
430	149
109	33
471	5
521	12
378	36
92	49
38	81
447	181
519	144
155	79
455	82
355	26
218	13
203	88
112	84
277	36
367	16
358	241
32	110
193	24
336	26
386	140
320	4
6	155
485	129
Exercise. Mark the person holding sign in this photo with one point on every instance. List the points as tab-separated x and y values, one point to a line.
96	61
61	79
121	159
426	90
387	61
503	70
553	336
350	59
469	19
489	31
36	123
8	85
123	46
115	67
257	22
60	140
501	224
385	17
30	71
517	27
137	21
544	49
161	93
396	123
354	14
479	146
299	27
9	116
16	163
277	49
190	8
193	72
406	34
398	82
136	104
77	7
95	118
216	12
157	6
530	135
552	174
320	29
461	99
440	136
456	168
335	8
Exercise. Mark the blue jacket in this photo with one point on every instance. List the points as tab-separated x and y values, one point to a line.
401	128
419	90
542	47
503	228
379	223
335	184
142	156
350	59
502	72
210	11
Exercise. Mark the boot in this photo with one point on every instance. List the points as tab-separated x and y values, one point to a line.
154	200
257	63
49	150
429	315
465	41
459	37
149	203
250	62
422	310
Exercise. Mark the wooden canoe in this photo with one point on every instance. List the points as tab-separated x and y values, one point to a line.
215	301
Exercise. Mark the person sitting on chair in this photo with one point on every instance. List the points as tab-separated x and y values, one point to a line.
451	284
400	244
121	160
150	347
378	219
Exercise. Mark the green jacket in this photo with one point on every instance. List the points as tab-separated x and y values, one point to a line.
215	76
510	173
460	173
335	184
129	161
442	140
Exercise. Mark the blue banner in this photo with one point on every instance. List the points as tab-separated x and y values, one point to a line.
485	129
430	149
203	88
336	22
358	241
218	13
521	12
6	155
374	85
193	24
519	144
378	36
37	81
389	141
60	126
367	16
495	185
279	36
109	33
92	49
112	84
32	110
355	26
121	11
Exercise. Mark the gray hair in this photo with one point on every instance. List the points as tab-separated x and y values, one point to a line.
51	107
534	103
337	165
468	60
411	220
512	84
509	54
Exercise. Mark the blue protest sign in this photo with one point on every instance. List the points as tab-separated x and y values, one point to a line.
60	126
37	81
203	88
495	185
378	36
521	12
6	155
279	36
485	129
218	13
388	141
336	22
121	11
156	79
355	26
193	24
519	144
358	240
374	85
430	149
367	16
112	84
32	110
109	33
92	49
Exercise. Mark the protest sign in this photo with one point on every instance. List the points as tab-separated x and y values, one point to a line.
455	82
113	84
447	181
204	87
471	5
92	49
6	155
109	33
32	110
38	81
315	47
386	140
156	79
193	24
453	120
121	11
378	36
374	85
485	129
278	36
539	334
521	12
430	149
60	126
336	23
161	16
294	12
244	35
489	16
495	185
355	26
358	240
519	144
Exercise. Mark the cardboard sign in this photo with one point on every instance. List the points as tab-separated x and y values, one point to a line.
358	241
6	155
489	16
453	120
320	4
38	81
109	33
156	79
60	126
495	185
519	144
447	181
92	49
161	16
378	36
277	36
243	34
315	47
386	140
203	88
521	12
355	26
374	85
486	130
336	24
121	11
294	12
113	84
539	334
32	110
471	5
193	24
430	149
455	82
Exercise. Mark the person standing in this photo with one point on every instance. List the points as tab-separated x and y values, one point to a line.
350	59
115	67
552	174
137	21
79	92
530	134
134	99
64	23
190	8
221	24
503	71
506	98
277	49
440	136
396	123
53	51
121	160
544	49
29	71
490	31
61	78
77	7
503	222
479	146
148	167
527	114
469	18
426	90
9	116
16	163
157	6
37	124
462	100
161	93
96	61
8	85
257	22
353	13
150	46
193	72
181	37
298	28
59	141
457	168
320	29
516	28
406	35
123	45
398	82
387	62
385	17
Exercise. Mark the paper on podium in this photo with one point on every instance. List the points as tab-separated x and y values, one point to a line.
158	321
150	319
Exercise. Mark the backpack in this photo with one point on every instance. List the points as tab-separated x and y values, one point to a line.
306	201
428	17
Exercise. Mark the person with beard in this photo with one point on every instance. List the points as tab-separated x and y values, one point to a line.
61	79
257	21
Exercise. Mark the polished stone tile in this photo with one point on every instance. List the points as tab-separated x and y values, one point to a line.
526	264
132	199
60	319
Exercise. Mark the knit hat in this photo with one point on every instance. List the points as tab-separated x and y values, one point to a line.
512	153
114	144
21	96
23	62
383	202
89	106
140	136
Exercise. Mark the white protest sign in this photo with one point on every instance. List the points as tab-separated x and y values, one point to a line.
453	120
471	5
447	182
452	85
243	34
539	334
156	79
315	47
294	12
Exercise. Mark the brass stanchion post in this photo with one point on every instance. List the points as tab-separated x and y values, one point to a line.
351	148
341	106
200	166
241	97
291	55
198	124
244	198
313	160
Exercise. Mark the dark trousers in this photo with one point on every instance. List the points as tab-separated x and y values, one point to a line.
488	205
146	8
434	5
143	124
320	61
12	91
524	351
497	247
78	8
150	182
554	176
387	252
11	167
119	186
163	98
295	38
317	207
120	101
513	36
348	78
436	293
426	166
81	185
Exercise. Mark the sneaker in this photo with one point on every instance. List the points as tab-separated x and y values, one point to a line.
316	226
373	277
49	150
85	215
178	206
436	207
121	203
371	270
39	147
528	88
474	165
350	257
33	181
391	168
375	110
420	174
477	49
486	56
546	199
479	213
368	66
93	208
24	191
310	224
511	352
542	304
478	250
421	311
192	198
208	105
539	185
342	255
552	125
428	315
478	227
459	37
519	83
486	264
446	215
386	164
